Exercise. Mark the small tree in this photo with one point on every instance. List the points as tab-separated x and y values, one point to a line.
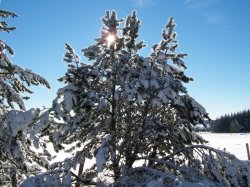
18	128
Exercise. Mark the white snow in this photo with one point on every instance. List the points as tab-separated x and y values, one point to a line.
234	143
69	100
101	158
20	120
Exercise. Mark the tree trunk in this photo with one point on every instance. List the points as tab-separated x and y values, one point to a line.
152	155
13	177
80	170
115	164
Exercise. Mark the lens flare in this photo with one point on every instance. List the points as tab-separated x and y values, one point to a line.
110	39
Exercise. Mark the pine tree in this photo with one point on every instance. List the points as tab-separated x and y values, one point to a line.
235	126
125	107
128	118
17	126
227	124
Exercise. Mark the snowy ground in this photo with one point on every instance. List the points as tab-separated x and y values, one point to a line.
234	143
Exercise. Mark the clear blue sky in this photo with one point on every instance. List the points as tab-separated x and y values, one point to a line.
215	34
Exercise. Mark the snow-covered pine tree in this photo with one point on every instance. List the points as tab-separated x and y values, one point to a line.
125	106
17	126
128	118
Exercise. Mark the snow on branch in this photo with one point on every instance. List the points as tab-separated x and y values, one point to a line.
19	120
215	165
15	79
3	25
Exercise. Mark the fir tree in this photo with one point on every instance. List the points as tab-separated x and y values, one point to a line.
124	106
17	126
228	123
235	126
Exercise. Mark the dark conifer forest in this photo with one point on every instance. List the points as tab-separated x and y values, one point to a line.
233	123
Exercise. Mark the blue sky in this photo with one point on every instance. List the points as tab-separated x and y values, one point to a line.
214	33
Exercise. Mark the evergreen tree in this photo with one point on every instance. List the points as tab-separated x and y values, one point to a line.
246	122
226	124
235	126
124	106
17	132
128	118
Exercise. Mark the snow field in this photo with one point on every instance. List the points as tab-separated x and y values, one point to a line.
234	143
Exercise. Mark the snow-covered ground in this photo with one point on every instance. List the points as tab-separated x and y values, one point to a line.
234	143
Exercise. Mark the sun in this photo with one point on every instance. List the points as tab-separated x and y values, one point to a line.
110	39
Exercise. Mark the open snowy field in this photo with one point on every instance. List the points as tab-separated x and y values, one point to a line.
234	143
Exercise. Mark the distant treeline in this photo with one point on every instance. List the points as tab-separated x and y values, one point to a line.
238	122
